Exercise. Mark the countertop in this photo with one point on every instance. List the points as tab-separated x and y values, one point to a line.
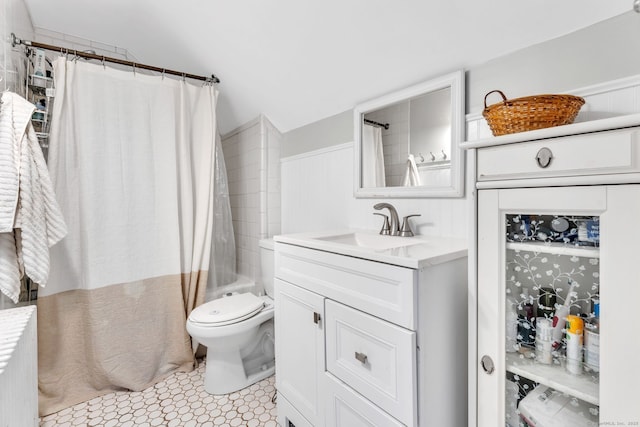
420	251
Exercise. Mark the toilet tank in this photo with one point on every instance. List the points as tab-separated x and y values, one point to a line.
267	265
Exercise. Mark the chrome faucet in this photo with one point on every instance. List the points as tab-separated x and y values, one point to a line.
394	230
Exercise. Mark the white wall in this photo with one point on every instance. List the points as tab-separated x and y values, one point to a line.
317	194
252	154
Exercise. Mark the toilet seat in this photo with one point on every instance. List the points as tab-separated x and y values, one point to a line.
227	310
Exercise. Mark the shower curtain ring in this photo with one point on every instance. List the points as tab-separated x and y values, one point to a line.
184	77
103	63
163	70
134	68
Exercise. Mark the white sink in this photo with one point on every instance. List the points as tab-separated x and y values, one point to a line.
371	241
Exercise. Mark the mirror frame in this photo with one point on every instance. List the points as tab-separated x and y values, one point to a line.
455	81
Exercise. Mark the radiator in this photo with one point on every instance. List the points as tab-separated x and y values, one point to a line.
18	367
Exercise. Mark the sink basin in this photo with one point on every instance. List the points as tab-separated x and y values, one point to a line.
372	241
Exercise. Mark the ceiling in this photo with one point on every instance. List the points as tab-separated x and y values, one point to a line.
300	61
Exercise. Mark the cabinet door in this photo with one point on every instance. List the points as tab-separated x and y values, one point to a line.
547	259
299	324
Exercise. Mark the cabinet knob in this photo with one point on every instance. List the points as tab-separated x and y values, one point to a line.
544	157
487	364
361	357
316	317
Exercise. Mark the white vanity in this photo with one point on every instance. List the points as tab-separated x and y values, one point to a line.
370	330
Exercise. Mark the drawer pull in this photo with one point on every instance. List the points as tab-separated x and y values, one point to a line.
544	157
361	357
316	317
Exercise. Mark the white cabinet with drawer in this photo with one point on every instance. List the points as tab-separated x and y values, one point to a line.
556	236
361	342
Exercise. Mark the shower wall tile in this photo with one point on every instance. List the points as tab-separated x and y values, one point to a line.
252	157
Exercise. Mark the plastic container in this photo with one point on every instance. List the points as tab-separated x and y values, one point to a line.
575	332
544	333
511	325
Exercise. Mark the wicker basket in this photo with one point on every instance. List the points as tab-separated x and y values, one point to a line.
530	112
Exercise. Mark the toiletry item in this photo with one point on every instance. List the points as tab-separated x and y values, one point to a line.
526	321
511	325
546	407
546	302
592	340
560	225
39	67
575	331
560	315
589	232
544	332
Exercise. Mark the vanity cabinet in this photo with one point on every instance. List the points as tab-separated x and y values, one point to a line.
361	342
555	242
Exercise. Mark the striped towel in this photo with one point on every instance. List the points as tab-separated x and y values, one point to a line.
30	218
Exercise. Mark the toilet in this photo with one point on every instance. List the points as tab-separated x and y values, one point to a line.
237	330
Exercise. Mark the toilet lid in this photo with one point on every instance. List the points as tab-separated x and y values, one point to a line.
227	310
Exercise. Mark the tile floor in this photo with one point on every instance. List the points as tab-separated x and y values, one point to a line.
180	400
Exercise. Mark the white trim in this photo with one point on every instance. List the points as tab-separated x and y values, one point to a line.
317	152
553	132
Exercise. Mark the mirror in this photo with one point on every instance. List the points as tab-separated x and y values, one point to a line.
407	142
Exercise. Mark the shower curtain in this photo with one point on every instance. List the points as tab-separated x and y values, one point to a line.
373	172
131	159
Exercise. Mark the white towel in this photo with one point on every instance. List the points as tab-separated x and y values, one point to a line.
411	176
30	218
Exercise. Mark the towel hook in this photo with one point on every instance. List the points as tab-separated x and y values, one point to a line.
444	155
433	157
421	157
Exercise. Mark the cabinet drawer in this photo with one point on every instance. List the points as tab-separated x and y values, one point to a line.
386	291
346	408
589	154
374	357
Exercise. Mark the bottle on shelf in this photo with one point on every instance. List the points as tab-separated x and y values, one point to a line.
511	325
575	331
546	302
544	340
526	321
560	316
592	338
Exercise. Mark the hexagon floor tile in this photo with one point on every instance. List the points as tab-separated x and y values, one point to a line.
178	401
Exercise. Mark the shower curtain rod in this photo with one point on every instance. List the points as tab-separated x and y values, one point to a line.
382	125
16	41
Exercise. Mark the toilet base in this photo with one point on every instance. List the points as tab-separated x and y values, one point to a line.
225	373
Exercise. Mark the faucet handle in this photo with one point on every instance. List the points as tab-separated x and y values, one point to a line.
405	230
386	228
